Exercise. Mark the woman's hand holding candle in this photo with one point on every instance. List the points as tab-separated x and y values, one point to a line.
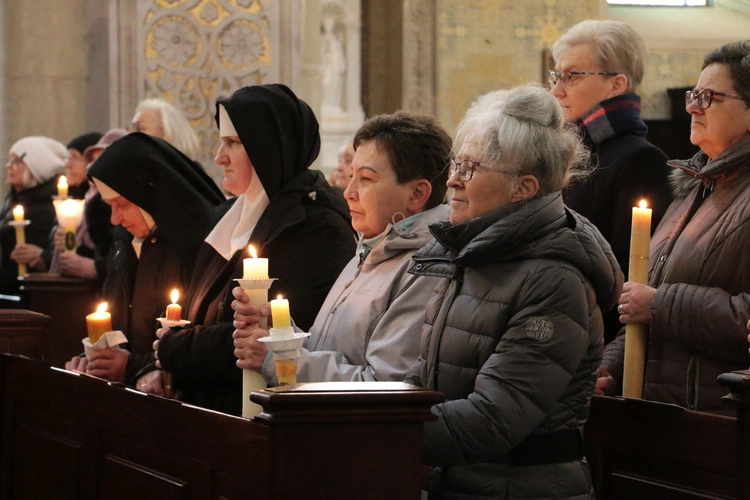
108	364
635	303
244	313
159	334
249	352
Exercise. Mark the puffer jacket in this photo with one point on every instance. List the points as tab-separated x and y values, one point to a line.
369	326
512	338
700	267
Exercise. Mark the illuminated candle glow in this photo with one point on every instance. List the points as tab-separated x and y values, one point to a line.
174	310
280	313
18	213
254	268
62	187
98	323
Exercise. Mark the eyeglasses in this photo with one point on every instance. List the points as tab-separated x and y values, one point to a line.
465	169
568	78
12	163
705	97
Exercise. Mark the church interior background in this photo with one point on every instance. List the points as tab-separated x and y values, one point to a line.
72	66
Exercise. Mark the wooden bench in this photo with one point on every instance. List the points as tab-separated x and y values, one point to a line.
70	436
67	301
23	332
643	450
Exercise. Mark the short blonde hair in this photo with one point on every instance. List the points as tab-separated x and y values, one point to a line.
618	48
177	129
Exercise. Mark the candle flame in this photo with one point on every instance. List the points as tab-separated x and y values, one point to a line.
18	211
252	252
102	307
279	297
175	296
643	204
63	182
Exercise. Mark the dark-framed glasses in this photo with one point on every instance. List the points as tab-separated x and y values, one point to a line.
568	78
705	97
465	169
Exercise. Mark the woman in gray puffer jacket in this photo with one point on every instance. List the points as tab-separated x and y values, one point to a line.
513	334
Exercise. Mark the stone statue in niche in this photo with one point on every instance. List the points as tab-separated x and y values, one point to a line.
333	58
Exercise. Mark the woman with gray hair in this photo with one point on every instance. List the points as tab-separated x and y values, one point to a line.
513	334
697	302
32	166
158	118
598	68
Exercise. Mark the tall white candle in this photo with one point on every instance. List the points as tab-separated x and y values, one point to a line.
254	268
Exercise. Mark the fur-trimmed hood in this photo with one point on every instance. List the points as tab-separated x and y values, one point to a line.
700	169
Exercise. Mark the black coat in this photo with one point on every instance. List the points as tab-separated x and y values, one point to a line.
138	290
306	235
628	169
38	208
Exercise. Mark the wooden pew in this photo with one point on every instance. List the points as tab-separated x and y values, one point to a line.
67	301
23	332
68	436
643	450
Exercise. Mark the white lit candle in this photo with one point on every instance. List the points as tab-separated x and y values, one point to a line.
254	268
18	213
62	187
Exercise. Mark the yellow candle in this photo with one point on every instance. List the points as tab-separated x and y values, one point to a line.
174	310
62	187
636	334
18	213
640	239
98	323
254	268
18	216
280	313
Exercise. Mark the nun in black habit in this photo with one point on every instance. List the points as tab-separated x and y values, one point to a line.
161	209
288	213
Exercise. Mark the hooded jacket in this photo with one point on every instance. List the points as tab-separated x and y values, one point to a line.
512	338
305	232
700	267
369	326
179	197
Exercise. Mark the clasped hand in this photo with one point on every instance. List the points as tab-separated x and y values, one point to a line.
249	351
107	363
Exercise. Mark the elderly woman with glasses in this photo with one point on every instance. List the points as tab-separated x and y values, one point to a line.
32	169
598	67
697	301
513	333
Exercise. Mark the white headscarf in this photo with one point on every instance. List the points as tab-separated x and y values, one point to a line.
233	231
109	194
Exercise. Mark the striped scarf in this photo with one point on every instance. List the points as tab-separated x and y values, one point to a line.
612	117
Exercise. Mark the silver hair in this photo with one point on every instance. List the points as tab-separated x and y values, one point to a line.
618	48
524	129
177	129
